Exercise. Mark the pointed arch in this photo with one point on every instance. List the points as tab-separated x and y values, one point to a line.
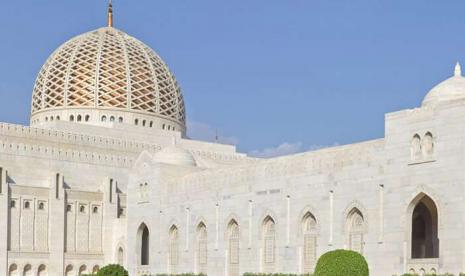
42	270
423	227
202	248
355	225
427	145
233	239
415	147
13	270
173	248
269	244
120	256
69	271
309	231
82	270
27	271
143	245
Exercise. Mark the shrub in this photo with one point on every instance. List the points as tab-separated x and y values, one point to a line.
112	270
341	263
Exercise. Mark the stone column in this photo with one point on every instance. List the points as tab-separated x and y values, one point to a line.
4	199
110	213
57	224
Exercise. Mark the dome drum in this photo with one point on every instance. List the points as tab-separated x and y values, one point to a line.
107	73
105	117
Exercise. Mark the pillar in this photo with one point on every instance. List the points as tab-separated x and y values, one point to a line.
4	199
57	222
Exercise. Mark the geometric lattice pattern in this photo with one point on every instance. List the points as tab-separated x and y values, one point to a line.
110	69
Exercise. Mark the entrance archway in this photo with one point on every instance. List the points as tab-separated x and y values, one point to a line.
424	239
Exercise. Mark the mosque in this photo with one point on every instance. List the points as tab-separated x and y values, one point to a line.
106	174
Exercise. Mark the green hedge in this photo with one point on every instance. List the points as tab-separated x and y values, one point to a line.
445	274
341	263
110	270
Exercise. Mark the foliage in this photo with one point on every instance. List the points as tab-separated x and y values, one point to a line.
112	270
341	263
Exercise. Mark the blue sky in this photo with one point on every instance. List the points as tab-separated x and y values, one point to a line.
272	76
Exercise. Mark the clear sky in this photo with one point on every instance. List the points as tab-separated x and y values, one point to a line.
272	76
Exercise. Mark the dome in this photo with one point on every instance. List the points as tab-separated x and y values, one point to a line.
174	155
106	75
449	90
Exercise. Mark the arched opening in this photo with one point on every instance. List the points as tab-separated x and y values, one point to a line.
309	230
27	270
173	249
95	269
13	271
112	118
42	270
87	118
69	271
428	145
416	147
121	256
356	227
82	270
71	118
104	118
143	237
79	118
424	234
120	119
233	248
202	249
269	244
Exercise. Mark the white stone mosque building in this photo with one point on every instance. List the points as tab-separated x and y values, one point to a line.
105	174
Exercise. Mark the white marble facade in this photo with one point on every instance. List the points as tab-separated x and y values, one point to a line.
105	174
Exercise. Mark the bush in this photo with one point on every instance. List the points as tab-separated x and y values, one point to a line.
341	263
112	270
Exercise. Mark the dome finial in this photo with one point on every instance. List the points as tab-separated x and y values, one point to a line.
458	70
110	14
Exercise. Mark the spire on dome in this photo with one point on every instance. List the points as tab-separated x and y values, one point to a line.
458	70
110	14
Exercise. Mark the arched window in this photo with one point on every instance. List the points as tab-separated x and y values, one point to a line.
112	118
356	226
424	238
120	119
136	122
27	270
46	119
51	118
71	118
69	271
82	270
416	147
309	242
79	118
87	118
42	270
143	123
269	246
58	118
121	256
428	145
95	269
202	249
143	244
13	271
104	118
163	126
173	253
233	248
151	124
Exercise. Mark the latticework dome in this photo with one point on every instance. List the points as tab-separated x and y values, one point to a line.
107	71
